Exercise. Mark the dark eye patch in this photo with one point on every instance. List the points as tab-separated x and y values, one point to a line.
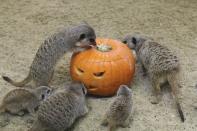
92	40
48	91
134	40
82	36
42	96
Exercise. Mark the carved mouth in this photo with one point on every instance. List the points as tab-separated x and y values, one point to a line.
90	87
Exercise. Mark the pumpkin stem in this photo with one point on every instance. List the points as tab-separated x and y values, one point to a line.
104	47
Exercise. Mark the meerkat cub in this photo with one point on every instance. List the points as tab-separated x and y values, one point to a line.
18	100
76	38
120	109
61	109
159	62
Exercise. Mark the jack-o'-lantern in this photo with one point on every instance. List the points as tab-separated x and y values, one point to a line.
105	68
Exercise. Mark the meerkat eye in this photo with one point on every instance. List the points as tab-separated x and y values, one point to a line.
134	40
92	40
48	91
42	96
82	36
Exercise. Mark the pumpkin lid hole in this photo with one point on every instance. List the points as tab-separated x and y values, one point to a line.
99	74
104	48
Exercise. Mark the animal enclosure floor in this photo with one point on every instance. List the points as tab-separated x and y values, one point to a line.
24	24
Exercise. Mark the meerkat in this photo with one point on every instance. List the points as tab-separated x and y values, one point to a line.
77	38
61	109
18	100
160	63
120	109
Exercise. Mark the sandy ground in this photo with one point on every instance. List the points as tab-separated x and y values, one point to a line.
25	24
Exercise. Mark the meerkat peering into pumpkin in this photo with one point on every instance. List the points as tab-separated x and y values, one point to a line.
159	62
77	38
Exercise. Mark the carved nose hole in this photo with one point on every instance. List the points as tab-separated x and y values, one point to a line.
99	74
79	71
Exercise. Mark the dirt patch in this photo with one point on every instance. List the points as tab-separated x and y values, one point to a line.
25	24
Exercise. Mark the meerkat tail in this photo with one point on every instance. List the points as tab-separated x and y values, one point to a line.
180	111
174	86
18	84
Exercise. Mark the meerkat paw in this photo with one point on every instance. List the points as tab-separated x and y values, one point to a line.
33	115
4	121
30	120
84	111
104	122
31	111
126	124
21	113
154	100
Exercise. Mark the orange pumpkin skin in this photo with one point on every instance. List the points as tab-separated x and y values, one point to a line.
103	72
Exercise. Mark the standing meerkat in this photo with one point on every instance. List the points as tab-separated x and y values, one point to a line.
159	62
60	110
77	38
18	100
120	109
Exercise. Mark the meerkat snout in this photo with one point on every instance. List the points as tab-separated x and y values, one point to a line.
130	41
124	90
78	88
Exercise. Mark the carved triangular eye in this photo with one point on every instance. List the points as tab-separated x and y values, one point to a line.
125	42
80	70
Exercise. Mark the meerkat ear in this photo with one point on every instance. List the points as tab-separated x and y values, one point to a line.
84	88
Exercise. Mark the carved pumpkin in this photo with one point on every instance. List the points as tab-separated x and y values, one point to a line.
105	68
